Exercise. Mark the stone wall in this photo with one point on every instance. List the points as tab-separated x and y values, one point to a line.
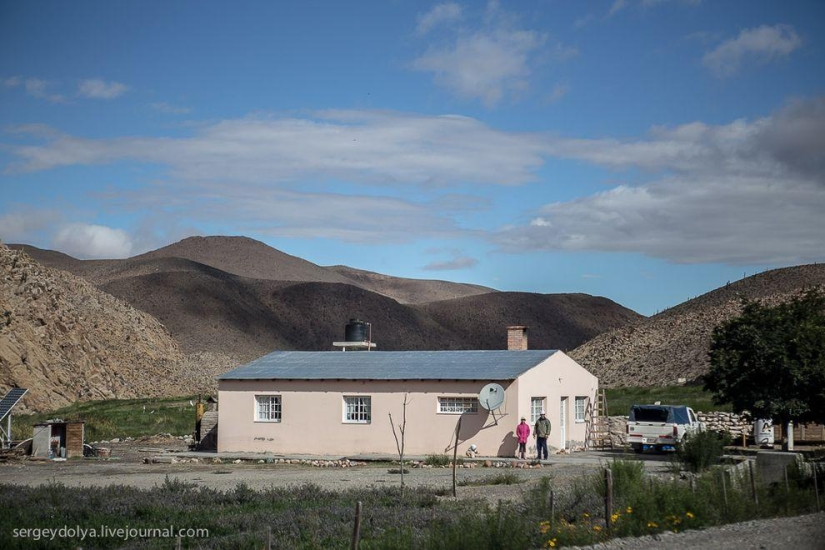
735	425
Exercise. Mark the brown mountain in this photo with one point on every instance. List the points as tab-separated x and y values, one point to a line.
64	340
257	307
253	259
407	291
674	344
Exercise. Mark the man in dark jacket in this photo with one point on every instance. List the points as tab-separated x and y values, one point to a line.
541	431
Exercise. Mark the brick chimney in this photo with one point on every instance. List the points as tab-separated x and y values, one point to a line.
517	338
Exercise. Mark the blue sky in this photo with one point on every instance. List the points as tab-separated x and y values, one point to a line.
643	150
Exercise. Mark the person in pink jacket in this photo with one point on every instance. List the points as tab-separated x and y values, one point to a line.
522	433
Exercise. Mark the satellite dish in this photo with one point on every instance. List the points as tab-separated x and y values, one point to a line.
491	396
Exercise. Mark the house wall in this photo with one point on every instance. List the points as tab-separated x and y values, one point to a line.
312	420
557	377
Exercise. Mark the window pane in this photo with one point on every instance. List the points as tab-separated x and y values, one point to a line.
358	409
580	408
457	405
268	407
536	406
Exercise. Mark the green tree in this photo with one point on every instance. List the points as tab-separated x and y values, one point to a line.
771	361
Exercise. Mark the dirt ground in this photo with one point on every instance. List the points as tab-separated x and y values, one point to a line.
127	467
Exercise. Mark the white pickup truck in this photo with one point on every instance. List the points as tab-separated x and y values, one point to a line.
660	427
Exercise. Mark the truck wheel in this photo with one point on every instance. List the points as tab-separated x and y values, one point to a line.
637	448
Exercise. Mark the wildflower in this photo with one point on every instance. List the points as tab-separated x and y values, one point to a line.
652	525
629	510
551	543
597	528
614	518
585	515
544	526
689	515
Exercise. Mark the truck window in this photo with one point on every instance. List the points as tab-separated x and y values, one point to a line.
648	414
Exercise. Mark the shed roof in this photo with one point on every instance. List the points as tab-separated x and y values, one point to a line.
390	365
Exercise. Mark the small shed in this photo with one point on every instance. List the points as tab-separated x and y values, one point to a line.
57	438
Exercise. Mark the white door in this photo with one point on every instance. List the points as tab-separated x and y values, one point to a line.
563	424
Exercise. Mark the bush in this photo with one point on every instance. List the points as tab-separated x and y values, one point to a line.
437	460
700	451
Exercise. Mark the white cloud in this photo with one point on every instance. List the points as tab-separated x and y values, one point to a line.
376	147
164	107
461	262
617	6
760	44
484	65
438	15
96	88
489	60
87	241
39	88
24	224
12	82
746	192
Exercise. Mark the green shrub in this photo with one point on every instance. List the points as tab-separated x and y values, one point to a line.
437	460
701	450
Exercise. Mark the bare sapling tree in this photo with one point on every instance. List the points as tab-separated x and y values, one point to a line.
400	441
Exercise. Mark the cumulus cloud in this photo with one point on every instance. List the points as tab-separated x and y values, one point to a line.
746	192
489	60
438	15
750	191
87	241
377	147
483	65
761	45
96	88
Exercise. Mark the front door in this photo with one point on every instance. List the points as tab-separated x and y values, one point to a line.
563	424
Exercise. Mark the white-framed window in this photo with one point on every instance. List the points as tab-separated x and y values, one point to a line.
457	405
268	408
357	409
581	408
536	406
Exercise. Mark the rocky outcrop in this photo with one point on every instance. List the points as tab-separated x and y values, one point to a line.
672	347
65	340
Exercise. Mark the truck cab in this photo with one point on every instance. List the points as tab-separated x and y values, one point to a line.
660	427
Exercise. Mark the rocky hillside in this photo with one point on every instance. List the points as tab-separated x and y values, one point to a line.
251	259
65	340
674	344
233	296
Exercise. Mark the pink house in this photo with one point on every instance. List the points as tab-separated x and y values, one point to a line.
339	402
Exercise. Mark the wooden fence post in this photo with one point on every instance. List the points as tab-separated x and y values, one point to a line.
608	497
455	455
724	490
753	486
816	487
356	530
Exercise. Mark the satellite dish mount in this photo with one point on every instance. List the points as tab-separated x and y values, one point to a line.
491	398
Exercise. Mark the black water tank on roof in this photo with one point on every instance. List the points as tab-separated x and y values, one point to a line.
356	331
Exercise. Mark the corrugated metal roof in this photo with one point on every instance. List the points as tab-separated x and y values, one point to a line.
389	365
